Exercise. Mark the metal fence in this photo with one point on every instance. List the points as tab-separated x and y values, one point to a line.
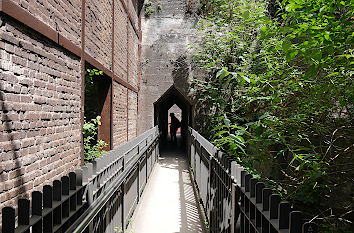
232	200
99	197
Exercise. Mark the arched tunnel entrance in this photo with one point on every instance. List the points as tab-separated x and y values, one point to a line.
161	109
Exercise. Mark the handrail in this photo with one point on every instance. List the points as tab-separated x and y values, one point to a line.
88	216
234	200
93	192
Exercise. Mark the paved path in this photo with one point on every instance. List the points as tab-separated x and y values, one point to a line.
168	203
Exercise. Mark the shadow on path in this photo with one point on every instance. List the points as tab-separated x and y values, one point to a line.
168	204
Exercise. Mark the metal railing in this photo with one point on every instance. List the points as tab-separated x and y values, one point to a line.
232	200
99	197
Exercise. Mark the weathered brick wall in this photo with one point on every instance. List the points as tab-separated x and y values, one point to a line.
39	110
61	15
98	31
40	90
132	114
133	57
133	12
120	41
119	114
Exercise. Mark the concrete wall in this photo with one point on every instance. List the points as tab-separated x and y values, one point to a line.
165	54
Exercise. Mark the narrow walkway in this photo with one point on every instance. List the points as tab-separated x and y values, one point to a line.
168	204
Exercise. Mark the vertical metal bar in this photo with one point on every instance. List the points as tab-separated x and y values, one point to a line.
83	71
266	198
57	192
8	219
48	203
65	191
259	188
37	203
310	227
284	212
233	208
295	221
112	80
23	212
253	182
274	203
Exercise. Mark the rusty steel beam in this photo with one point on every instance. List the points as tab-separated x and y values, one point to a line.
130	17
98	65
112	82
128	32
83	72
15	11
21	15
68	45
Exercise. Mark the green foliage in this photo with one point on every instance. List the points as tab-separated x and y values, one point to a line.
93	148
149	9
90	92
159	7
280	95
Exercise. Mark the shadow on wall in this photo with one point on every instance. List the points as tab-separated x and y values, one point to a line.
12	156
180	73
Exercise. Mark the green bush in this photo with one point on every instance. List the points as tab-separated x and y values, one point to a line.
149	9
280	96
93	148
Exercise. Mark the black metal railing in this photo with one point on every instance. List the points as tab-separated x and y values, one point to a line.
99	197
232	200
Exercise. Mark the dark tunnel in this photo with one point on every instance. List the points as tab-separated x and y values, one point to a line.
171	97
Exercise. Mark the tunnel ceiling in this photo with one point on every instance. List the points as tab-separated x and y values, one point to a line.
173	96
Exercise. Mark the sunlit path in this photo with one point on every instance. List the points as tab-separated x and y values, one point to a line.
168	203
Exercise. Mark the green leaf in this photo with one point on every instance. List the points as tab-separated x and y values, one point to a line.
227	122
290	56
222	73
286	45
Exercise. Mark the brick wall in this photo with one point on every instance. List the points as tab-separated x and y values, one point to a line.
133	42
132	11
132	114
40	90
40	111
98	31
61	15
119	110
120	40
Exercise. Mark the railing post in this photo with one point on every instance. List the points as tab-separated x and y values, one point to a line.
234	205
284	213
274	203
57	193
309	227
295	221
48	203
266	198
8	220
23	212
37	202
259	188
72	186
210	209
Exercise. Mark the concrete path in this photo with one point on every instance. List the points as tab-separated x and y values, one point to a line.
168	204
